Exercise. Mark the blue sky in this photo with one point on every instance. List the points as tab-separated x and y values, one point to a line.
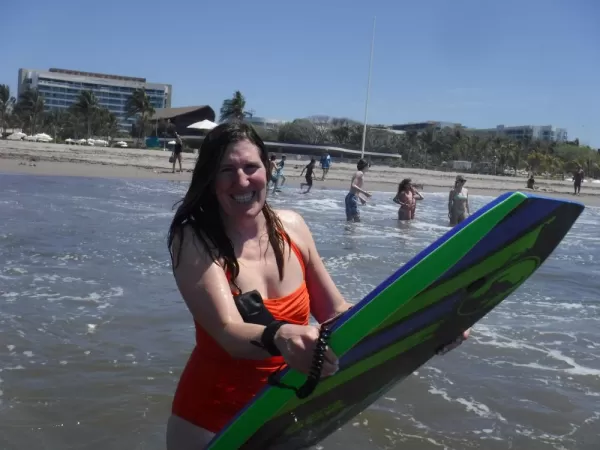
477	62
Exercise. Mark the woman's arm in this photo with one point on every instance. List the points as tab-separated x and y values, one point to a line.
403	200
450	201
326	301
207	294
418	194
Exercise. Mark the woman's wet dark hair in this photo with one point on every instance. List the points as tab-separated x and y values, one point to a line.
199	208
403	184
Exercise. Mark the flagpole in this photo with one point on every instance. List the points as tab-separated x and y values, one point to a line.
364	136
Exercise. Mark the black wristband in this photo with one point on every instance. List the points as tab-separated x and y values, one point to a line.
268	337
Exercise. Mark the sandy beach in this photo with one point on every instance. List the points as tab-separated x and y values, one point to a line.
69	160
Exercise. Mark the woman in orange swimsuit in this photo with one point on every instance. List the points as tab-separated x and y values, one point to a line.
251	277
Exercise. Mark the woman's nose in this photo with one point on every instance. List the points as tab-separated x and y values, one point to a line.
241	178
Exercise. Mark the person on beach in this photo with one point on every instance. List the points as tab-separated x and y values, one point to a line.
325	164
531	182
357	193
458	201
230	251
177	151
310	167
577	180
407	197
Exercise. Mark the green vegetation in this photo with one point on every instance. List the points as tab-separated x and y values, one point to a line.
432	148
435	148
234	108
84	119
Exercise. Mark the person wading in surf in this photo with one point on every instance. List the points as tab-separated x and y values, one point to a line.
458	201
356	190
407	197
251	277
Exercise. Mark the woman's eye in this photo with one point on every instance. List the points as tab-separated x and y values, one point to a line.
251	168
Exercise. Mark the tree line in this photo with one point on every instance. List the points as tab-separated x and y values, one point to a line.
431	148
85	118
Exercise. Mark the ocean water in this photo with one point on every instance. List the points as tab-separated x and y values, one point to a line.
93	332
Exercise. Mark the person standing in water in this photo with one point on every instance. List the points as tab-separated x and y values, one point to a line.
407	197
233	255
310	168
356	189
458	202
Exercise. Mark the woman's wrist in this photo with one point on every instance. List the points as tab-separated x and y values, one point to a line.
271	337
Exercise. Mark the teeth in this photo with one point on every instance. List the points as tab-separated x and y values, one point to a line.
246	198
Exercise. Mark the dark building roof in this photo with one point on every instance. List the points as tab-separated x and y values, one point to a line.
170	113
96	75
181	118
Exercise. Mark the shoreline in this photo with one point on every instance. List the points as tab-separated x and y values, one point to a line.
108	162
99	169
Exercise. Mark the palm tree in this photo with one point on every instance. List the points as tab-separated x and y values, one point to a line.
30	108
138	104
86	106
106	124
234	108
6	104
57	121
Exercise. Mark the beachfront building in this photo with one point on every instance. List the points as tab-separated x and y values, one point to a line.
60	88
523	132
419	127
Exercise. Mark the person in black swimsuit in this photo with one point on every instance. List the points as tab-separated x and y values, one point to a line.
578	177
177	151
310	167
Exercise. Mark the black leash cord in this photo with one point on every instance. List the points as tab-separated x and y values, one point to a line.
314	375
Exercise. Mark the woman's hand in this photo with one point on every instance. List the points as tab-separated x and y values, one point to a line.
297	346
455	343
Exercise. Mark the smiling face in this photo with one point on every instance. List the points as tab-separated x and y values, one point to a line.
241	182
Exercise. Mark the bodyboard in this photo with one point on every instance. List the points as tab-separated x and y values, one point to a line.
401	324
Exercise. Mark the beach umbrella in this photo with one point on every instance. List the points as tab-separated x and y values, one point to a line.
203	125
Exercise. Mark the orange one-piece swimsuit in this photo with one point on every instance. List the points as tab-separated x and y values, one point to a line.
214	386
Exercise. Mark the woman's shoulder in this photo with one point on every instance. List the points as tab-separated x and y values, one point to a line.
294	225
297	230
193	243
291	220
